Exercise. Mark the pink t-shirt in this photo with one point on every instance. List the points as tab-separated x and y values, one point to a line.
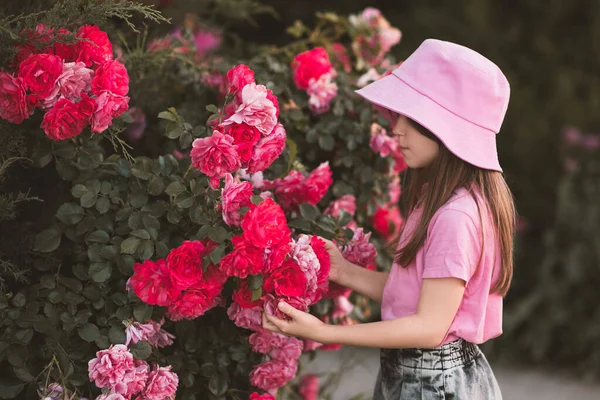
452	248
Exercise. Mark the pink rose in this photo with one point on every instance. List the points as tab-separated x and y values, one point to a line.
72	82
394	190
382	143
235	195
290	349
310	65
13	103
108	107
264	341
311	345
64	120
271	304
347	203
159	337
273	374
359	250
96	48
244	138
317	183
309	387
110	366
264	396
134	380
247	318
321	92
256	109
111	76
267	150
238	77
341	307
162	384
244	260
305	257
111	396
39	73
215	155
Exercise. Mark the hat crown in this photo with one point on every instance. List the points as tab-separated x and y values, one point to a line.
459	79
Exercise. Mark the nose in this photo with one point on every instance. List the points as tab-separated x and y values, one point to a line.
400	126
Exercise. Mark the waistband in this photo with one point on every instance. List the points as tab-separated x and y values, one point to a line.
450	355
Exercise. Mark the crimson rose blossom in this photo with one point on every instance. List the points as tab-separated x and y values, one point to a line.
309	65
185	263
151	282
111	76
108	106
235	195
264	396
215	155
244	260
96	48
309	387
238	77
243	296
317	183
287	280
318	246
244	138
387	221
13	104
265	225
66	119
39	73
271	303
267	150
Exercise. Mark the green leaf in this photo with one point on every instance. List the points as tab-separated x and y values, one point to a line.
141	350
208	369
293	151
19	300
98	237
89	332
173	130
212	108
10	388
24	336
184	200
309	212
345	218
161	249
88	200
217	254
255	281
138	199
23	374
300	223
71	283
17	355
123	313
116	335
204	231
85	225
167	115
141	233
256	294
145	250
219	234
156	185
119	299
130	245
100	272
326	142
296	115
105	188
256	199
217	384
103	205
142	312
47	240
70	213
173	216
79	190
48	281
150	222
175	188
109	252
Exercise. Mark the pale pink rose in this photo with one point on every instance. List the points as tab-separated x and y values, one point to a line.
215	155
256	109
108	107
321	92
248	318
290	349
134	380
159	337
309	387
264	341
74	79
267	150
161	385
370	16
110	366
13	103
273	374
370	76
341	307
382	143
136	331
306	258
388	38
234	196
359	250
347	203
110	396
266	195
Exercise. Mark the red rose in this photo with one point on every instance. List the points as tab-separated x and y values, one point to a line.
264	396
244	137
318	246
87	106
68	52
35	42
271	96
387	221
274	256
310	65
271	304
265	225
111	76
215	155
108	107
40	72
287	280
336	290
185	264
64	120
95	48
13	102
243	296
267	150
152	284
244	260
317	183
238	77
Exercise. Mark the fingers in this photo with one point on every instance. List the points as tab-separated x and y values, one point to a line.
268	325
287	309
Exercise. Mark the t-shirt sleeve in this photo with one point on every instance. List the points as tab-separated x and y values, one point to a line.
453	246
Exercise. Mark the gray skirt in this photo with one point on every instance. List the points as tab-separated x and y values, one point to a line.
456	370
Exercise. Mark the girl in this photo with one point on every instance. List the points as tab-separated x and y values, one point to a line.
454	262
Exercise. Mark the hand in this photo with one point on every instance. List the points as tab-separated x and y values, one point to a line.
301	324
338	262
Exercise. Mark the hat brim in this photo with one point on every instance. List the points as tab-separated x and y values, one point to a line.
468	141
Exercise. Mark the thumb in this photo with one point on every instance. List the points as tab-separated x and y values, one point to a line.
287	309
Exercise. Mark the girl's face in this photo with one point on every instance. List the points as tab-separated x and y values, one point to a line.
418	150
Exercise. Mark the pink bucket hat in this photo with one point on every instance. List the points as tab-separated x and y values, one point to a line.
455	92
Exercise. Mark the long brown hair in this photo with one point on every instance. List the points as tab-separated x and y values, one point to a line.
443	176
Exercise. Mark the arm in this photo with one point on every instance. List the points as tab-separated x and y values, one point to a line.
438	304
364	281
